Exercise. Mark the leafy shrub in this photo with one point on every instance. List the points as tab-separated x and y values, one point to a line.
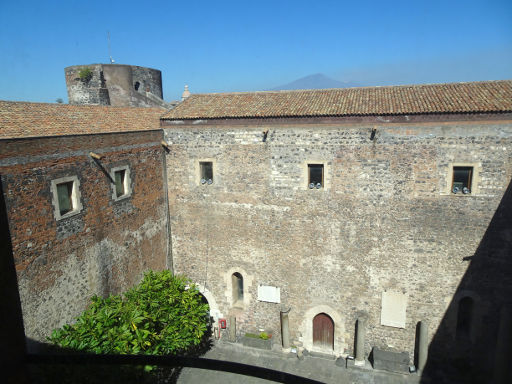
85	74
161	315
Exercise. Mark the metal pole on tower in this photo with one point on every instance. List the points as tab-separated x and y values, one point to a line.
109	49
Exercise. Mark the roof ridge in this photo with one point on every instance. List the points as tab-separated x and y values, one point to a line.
362	87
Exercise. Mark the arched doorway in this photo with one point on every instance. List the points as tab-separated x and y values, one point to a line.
214	309
323	331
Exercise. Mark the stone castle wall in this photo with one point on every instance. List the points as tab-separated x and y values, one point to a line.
115	84
385	220
101	250
86	92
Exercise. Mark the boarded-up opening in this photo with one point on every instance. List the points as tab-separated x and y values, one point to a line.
323	331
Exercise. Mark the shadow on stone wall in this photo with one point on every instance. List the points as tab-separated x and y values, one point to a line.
473	342
12	347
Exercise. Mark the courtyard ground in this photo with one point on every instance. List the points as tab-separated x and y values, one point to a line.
321	369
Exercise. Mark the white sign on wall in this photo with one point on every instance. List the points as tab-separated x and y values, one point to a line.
269	294
393	309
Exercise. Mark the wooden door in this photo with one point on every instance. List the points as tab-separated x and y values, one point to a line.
323	331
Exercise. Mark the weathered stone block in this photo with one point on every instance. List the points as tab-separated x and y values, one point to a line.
391	361
257	342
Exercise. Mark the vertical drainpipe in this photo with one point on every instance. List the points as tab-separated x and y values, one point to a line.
168	261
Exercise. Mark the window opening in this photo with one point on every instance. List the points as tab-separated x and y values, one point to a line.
462	179
120	182
65	196
137	85
120	178
464	317
238	288
315	176
206	172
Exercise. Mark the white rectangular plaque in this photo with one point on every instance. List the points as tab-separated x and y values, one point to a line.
393	309
269	294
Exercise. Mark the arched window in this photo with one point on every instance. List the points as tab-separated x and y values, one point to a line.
238	289
137	85
465	317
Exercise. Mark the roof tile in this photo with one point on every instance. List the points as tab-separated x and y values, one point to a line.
485	96
22	119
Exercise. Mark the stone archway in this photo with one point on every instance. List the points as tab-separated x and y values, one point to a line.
232	292
214	308
338	339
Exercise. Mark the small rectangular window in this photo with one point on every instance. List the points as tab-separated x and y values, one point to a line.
206	168
462	177
120	182
65	197
315	176
119	177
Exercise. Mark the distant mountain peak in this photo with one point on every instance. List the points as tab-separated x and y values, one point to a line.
315	81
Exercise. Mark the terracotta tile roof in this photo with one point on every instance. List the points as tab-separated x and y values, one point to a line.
21	119
490	96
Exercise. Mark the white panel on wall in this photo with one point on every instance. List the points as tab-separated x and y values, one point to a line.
393	309
269	294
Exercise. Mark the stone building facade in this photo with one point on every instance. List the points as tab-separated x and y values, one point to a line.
86	204
341	204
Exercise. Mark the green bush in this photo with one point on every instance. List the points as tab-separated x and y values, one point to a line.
161	315
85	74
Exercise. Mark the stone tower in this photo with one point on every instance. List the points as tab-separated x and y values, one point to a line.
114	84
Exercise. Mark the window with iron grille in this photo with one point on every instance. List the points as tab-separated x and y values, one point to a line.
462	180
315	176
206	172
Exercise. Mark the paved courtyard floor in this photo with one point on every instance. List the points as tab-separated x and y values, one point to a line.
321	369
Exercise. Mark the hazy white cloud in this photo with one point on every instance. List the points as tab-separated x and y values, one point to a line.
495	64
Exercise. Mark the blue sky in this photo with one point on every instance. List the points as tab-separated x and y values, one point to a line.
223	46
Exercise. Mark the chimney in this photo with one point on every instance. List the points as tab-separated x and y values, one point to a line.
185	94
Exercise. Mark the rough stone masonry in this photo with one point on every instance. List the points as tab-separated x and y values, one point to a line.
105	246
384	221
